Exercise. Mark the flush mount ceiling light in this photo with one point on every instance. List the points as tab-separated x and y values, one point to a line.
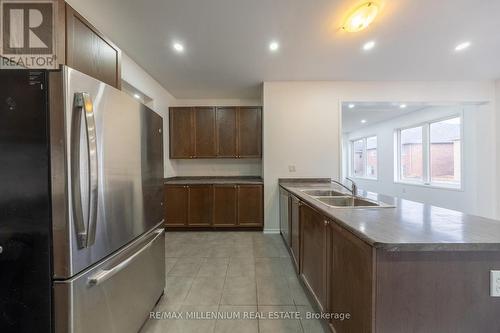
351	106
462	46
369	45
274	46
361	17
363	121
178	47
402	106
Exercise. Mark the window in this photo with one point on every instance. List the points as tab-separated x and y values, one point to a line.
364	157
431	154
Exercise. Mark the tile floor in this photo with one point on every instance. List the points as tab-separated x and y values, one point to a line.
231	272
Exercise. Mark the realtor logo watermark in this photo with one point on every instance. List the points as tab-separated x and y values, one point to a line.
27	34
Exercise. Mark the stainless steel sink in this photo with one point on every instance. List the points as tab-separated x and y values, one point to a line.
323	193
352	202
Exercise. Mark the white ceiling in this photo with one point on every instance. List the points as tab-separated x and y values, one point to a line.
226	41
373	112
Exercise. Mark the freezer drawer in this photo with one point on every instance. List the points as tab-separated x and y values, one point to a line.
117	294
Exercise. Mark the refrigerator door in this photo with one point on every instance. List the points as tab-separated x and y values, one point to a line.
116	295
109	148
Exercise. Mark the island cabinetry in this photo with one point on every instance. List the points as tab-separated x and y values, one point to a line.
313	245
350	280
295	205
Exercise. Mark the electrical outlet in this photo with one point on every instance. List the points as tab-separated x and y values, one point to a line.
291	168
495	283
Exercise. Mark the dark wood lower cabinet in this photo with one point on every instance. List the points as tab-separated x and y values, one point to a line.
217	206
225	200
250	205
350	280
295	231
176	205
313	227
200	205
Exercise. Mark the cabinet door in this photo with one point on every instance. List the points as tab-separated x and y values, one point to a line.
294	230
90	52
249	132
285	216
204	132
225	200
200	205
181	133
350	280
176	205
250	205
313	253
226	131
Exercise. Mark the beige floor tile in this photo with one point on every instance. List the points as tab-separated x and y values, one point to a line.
238	324
205	291
214	267
239	290
285	325
273	291
187	267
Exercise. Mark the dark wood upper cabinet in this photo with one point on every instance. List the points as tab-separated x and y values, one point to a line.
200	205
249	132
226	131
350	280
225	210
250	205
88	51
313	229
204	132
215	132
176	205
181	132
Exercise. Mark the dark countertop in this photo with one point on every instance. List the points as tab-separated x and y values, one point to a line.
410	226
243	180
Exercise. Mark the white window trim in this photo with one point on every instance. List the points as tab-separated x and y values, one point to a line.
351	159
426	180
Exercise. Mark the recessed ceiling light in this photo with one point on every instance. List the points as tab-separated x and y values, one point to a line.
137	96
351	106
403	106
178	47
363	121
361	17
369	45
274	46
462	46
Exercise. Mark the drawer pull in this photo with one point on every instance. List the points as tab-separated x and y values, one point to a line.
106	274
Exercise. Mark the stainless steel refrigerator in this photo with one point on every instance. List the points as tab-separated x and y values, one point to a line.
81	174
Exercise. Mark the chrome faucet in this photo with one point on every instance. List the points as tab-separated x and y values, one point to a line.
353	189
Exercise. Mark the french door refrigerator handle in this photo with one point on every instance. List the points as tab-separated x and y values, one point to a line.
85	231
106	274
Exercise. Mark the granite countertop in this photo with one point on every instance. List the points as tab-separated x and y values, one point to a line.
409	226
243	180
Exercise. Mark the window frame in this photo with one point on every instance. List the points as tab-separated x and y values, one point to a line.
426	155
351	158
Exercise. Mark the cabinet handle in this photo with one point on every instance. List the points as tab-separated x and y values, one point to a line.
327	223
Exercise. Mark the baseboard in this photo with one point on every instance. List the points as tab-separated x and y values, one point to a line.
271	231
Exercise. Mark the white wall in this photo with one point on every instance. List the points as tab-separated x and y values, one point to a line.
218	167
301	123
478	193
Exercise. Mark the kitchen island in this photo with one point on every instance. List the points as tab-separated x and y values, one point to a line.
411	267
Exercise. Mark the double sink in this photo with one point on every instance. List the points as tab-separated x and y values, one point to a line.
338	199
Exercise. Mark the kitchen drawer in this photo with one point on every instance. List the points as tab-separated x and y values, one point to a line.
116	295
